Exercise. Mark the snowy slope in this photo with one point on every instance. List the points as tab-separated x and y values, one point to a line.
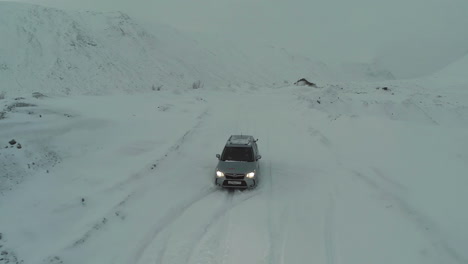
450	81
457	69
53	51
62	52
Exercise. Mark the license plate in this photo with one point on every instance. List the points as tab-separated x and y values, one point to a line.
235	182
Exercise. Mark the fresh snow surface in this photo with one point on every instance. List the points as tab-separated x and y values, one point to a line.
349	174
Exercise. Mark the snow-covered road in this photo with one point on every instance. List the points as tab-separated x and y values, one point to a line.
360	176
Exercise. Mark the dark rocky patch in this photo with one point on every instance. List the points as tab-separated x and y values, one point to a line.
53	260
304	82
8	256
17	105
38	95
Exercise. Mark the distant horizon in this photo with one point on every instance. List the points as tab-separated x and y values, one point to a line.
401	37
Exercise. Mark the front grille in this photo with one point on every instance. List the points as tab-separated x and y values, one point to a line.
234	176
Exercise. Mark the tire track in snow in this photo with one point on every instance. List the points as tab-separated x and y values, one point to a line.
135	177
218	213
276	222
426	226
272	255
230	204
153	166
323	139
167	220
227	239
329	232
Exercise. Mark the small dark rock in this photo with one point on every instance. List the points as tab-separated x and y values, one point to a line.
304	82
47	171
40	115
82	200
385	88
19	147
318	101
1	236
12	142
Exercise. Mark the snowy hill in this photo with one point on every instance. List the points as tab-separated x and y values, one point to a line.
452	79
456	70
53	51
63	52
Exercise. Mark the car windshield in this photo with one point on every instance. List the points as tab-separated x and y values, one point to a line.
237	154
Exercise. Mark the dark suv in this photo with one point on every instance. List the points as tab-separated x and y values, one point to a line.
238	165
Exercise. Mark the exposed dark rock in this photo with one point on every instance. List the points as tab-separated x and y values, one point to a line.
19	146
38	95
16	105
12	142
304	82
385	88
318	101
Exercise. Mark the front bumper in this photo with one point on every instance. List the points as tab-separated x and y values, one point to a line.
235	183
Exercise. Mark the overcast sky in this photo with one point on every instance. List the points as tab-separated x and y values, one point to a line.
410	37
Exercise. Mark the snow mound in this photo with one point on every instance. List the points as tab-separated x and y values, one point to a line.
457	69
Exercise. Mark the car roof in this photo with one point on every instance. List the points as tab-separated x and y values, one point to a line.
240	140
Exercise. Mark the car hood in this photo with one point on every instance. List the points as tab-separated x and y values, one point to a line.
236	167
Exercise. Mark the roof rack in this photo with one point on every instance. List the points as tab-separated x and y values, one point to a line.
240	140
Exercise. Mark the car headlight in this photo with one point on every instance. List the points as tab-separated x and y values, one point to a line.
250	175
219	173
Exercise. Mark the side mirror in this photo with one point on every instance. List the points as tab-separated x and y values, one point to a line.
218	156
259	157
